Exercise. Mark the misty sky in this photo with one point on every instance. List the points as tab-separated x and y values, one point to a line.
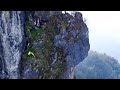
104	31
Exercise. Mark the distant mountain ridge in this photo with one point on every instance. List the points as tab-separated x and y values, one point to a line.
98	66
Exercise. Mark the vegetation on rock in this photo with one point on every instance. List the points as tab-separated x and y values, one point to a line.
43	59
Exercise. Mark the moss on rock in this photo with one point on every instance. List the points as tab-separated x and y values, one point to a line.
44	56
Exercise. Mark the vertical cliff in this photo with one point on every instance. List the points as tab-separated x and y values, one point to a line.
11	38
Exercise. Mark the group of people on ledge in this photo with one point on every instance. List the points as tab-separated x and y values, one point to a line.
39	22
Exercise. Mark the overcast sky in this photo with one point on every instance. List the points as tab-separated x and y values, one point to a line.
104	31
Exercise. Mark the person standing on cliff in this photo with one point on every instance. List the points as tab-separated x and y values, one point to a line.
65	12
38	22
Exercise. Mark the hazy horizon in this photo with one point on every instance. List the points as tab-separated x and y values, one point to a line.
104	31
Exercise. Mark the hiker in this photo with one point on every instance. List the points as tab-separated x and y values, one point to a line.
34	22
31	54
38	22
65	12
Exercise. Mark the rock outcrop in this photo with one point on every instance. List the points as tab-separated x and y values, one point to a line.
57	46
67	41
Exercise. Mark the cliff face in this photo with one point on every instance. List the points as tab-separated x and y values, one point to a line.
11	38
57	47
